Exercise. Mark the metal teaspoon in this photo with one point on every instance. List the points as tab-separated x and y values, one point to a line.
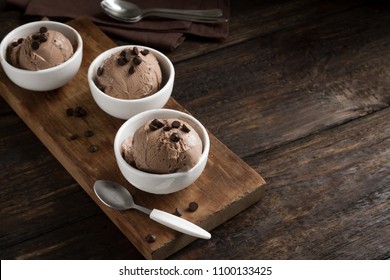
128	12
118	197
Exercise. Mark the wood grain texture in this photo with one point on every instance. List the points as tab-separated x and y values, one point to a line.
292	83
327	197
45	113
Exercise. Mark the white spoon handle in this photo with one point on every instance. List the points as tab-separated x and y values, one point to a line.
178	224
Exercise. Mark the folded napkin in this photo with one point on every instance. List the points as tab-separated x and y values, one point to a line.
158	33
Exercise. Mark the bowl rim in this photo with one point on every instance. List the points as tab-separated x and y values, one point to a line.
107	53
203	157
11	35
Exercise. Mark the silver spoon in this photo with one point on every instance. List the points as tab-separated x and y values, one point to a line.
128	12
118	197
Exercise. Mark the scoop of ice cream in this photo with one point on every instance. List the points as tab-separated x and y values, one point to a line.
163	146
40	50
129	74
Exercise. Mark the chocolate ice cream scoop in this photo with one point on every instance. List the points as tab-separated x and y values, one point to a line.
129	74
41	50
163	146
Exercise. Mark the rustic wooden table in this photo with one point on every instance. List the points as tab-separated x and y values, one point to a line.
300	91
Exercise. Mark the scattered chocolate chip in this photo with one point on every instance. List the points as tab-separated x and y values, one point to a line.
35	45
137	60
176	124
131	70
35	36
42	37
178	212
185	128
20	40
92	148
193	206
14	44
80	112
145	52
89	133
127	56
150	238
167	128
135	51
152	127
69	112
175	137
43	29
156	124
121	61
73	136
100	71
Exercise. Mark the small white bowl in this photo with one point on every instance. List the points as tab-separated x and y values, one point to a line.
126	108
47	79
160	183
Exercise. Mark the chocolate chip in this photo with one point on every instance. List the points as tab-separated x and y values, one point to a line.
185	128
20	40
123	53
69	112
145	52
150	238
152	127
92	148
156	124
100	71
176	124
135	51
167	128
121	61
175	137
35	36
127	56
131	70
178	212
193	206
80	112
89	133
43	29
73	136
35	45
14	44
137	60
42	37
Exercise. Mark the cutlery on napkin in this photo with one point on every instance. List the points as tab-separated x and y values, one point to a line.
158	33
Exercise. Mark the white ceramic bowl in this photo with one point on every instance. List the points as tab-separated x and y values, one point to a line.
47	79
160	183
126	108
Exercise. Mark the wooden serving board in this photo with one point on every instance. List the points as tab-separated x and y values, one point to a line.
226	187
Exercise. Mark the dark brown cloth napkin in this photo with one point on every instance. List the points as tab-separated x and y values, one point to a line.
158	33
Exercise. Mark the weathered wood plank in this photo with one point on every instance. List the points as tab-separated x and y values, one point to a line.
327	197
93	238
250	20
281	87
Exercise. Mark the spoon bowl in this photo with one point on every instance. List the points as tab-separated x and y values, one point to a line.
129	12
115	196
